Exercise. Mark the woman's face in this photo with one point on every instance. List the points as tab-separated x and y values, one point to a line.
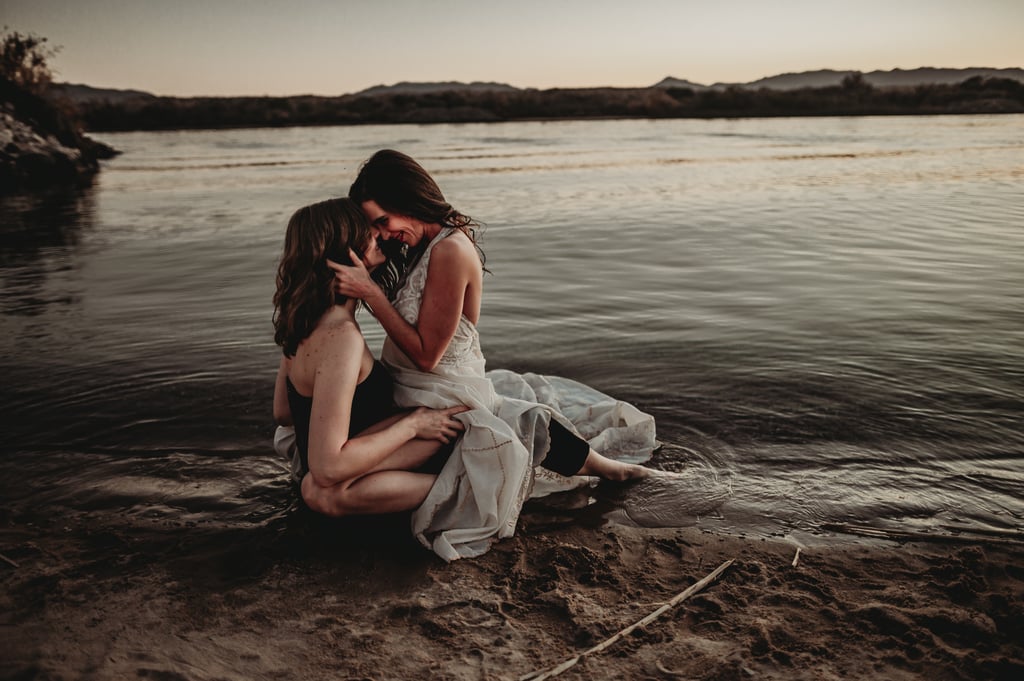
373	256
393	226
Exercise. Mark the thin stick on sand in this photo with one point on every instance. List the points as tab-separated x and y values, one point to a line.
8	560
676	600
796	558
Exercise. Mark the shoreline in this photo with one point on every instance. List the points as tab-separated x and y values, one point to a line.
305	597
284	125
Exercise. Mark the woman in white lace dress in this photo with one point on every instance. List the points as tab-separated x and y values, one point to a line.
525	434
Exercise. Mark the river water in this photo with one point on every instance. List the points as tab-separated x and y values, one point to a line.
824	315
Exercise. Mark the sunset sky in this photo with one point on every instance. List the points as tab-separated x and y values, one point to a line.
331	47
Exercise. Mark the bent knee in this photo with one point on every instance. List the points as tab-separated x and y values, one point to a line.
329	501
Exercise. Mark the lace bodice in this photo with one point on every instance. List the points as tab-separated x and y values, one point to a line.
465	345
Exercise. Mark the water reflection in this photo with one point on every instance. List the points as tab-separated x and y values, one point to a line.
38	234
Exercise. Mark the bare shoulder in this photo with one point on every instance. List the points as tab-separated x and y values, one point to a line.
456	250
337	333
335	348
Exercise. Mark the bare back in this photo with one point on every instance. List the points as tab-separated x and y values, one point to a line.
457	255
337	333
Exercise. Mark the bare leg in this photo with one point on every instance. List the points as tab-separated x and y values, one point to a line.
389	487
382	492
408	457
606	468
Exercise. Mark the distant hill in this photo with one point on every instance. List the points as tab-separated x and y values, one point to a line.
407	88
91	95
679	82
882	79
814	93
785	81
85	94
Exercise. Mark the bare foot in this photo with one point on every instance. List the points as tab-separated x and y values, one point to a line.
636	472
606	468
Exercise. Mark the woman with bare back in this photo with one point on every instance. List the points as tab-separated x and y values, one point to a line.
357	453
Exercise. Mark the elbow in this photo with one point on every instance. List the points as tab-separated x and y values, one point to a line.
426	364
323	478
329	471
280	408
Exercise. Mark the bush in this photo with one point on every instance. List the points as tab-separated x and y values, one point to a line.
23	61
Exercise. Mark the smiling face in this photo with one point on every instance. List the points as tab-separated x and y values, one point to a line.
373	256
394	226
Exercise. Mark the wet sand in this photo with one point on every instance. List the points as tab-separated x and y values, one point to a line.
306	598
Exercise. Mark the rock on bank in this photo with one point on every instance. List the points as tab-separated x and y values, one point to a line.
40	146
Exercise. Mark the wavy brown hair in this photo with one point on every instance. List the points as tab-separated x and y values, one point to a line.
398	184
305	284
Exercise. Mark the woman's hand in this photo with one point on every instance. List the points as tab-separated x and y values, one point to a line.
353	280
438	424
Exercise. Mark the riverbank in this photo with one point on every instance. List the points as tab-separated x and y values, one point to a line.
41	146
310	599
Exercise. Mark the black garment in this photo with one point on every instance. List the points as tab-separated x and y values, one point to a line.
371	403
568	451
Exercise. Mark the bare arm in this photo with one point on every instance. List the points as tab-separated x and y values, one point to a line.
333	456
282	411
452	289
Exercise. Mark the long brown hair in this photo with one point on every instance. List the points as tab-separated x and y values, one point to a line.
398	184
305	284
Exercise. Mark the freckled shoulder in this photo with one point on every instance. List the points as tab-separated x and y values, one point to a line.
337	330
336	344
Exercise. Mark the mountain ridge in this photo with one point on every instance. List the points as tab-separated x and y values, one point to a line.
419	88
924	75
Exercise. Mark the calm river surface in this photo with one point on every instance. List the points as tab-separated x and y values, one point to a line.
824	315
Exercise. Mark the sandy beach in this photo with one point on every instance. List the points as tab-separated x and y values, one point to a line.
307	598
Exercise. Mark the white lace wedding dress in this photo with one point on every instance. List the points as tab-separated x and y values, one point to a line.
494	467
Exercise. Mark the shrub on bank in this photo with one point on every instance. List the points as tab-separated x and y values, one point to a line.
41	142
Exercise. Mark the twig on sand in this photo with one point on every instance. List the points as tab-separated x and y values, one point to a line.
676	600
8	560
796	558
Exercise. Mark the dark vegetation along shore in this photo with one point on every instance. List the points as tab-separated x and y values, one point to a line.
41	141
852	93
